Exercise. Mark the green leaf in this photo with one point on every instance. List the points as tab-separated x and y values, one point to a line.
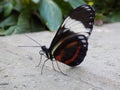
10	30
23	18
75	3
8	9
18	6
36	24
11	20
22	26
116	18
1	30
23	22
65	7
51	14
35	1
2	2
1	9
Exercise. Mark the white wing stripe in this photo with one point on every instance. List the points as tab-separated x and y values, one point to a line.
72	24
66	20
75	26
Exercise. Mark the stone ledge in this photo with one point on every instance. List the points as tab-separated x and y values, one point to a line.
99	71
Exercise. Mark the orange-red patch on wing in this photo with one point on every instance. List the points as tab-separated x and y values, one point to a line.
74	56
59	57
71	44
61	54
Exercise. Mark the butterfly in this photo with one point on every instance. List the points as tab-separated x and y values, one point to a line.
70	43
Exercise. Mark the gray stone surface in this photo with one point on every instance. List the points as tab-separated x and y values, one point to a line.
99	71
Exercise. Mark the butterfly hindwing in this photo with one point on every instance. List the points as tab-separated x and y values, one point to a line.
71	50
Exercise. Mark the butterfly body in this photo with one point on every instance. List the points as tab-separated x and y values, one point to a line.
70	43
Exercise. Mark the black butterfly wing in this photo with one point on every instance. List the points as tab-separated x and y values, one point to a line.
71	50
80	20
70	45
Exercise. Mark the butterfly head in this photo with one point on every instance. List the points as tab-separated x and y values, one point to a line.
46	51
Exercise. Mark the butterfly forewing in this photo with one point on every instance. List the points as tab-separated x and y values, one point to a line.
80	20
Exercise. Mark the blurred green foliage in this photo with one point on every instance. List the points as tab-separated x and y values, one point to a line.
19	16
108	10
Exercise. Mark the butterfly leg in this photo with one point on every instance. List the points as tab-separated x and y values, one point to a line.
60	69
53	66
43	65
41	54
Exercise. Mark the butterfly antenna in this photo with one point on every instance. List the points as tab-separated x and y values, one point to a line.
43	66
33	40
28	46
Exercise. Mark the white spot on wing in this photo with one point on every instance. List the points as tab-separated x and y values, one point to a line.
80	37
89	9
88	29
83	41
90	23
91	13
84	45
91	17
85	34
65	30
86	7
